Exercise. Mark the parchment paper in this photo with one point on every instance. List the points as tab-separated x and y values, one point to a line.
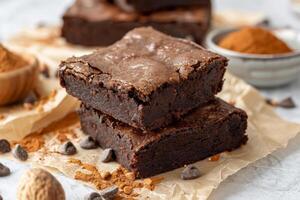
267	132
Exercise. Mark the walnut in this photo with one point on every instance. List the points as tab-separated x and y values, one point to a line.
38	184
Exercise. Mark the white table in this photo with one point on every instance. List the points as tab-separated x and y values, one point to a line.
273	178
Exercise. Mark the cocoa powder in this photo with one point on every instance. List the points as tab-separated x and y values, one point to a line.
10	61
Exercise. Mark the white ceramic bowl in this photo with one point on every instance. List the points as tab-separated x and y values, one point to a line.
261	70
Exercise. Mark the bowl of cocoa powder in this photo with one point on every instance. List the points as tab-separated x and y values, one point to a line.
18	75
262	57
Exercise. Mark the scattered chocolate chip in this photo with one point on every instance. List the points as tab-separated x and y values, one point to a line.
31	98
4	146
44	70
4	171
109	193
94	196
285	103
68	148
20	153
107	155
88	143
190	172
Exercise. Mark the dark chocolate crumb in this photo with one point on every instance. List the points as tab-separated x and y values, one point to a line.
68	148
44	70
4	171
4	146
20	153
109	193
285	103
107	155
88	143
31	98
190	172
93	196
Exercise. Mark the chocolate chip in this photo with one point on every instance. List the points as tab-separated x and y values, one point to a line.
190	172
4	146
1	197
68	148
285	103
88	143
4	171
94	196
31	98
109	193
20	153
107	155
44	70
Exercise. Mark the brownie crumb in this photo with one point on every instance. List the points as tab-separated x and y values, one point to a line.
285	103
190	172
68	148
4	171
20	153
107	155
4	146
88	143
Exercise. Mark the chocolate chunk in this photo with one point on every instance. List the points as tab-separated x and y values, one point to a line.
4	146
31	98
68	148
107	155
190	172
94	196
44	70
20	153
4	171
285	103
109	193
88	143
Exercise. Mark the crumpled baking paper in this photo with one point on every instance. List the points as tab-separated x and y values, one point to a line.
266	131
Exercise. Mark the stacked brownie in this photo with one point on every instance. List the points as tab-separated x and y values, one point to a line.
151	98
103	22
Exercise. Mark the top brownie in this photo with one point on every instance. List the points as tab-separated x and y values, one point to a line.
150	5
147	79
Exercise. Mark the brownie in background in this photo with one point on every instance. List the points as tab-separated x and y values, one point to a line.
100	23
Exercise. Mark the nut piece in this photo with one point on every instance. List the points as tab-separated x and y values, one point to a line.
38	184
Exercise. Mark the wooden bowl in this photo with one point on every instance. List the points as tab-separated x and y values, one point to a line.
16	84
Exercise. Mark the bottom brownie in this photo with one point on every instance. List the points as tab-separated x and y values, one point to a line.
206	131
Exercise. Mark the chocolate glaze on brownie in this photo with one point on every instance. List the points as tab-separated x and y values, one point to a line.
206	131
98	23
146	80
150	5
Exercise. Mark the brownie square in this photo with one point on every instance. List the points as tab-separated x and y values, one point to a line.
146	80
99	23
147	6
206	131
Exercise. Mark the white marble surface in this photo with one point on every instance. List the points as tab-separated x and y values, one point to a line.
273	178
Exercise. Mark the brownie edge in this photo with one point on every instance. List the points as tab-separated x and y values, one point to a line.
206	131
